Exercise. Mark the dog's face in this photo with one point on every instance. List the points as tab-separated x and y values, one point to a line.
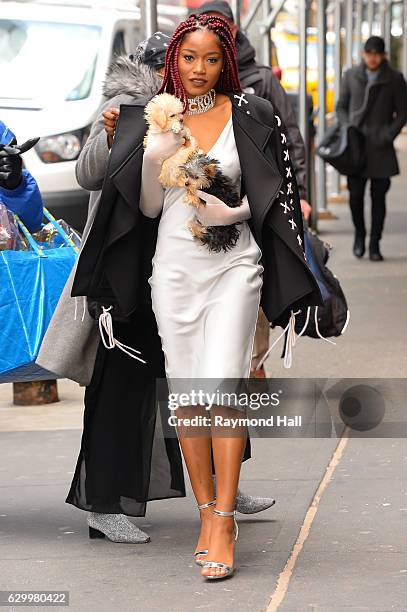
163	112
199	171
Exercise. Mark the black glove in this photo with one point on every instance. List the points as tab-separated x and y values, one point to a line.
10	169
11	163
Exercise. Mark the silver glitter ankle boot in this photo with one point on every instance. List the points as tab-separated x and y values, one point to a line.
116	527
249	504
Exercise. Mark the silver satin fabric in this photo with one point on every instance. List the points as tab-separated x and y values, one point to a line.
206	304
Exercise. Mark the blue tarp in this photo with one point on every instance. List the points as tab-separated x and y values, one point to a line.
30	287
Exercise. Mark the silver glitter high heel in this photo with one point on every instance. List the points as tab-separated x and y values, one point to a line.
116	527
204	551
229	570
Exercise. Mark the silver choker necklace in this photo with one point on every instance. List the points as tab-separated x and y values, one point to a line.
200	104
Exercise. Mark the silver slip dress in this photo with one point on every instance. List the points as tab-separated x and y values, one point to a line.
206	304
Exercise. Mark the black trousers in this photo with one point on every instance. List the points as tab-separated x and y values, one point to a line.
378	189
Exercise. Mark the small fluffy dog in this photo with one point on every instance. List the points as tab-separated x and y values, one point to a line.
203	172
164	113
189	167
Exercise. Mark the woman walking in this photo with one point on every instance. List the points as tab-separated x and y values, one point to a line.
205	304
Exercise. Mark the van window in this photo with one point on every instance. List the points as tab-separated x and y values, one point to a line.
47	62
118	44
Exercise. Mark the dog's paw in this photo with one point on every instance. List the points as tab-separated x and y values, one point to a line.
197	229
192	199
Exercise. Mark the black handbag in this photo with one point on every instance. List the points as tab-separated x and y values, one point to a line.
332	318
343	147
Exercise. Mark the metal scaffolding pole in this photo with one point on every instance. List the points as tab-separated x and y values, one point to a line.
254	7
382	17
303	108
358	29
370	15
387	26
269	22
337	73
337	47
321	171
148	10
235	5
349	34
266	43
302	101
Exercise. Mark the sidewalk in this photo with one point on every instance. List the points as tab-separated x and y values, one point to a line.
353	551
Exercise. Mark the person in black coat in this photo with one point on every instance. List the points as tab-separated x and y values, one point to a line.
373	96
115	264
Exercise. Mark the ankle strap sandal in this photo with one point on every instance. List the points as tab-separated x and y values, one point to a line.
228	570
207	505
232	513
204	551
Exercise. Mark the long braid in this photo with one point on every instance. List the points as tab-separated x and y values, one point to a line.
229	78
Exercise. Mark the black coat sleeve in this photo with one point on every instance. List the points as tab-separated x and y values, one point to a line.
275	93
289	284
289	193
400	106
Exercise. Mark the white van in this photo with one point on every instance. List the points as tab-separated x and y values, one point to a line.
53	60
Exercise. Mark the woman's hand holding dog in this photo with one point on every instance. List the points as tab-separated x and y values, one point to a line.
162	145
216	212
159	147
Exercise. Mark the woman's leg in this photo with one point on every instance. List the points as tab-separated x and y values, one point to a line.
195	443
227	455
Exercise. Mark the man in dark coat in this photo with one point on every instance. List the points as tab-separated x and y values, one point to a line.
373	96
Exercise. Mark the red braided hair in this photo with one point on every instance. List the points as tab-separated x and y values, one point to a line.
229	77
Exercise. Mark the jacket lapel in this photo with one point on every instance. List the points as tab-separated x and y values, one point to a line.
245	115
126	157
370	89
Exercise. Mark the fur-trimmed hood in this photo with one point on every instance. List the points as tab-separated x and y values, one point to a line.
126	76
